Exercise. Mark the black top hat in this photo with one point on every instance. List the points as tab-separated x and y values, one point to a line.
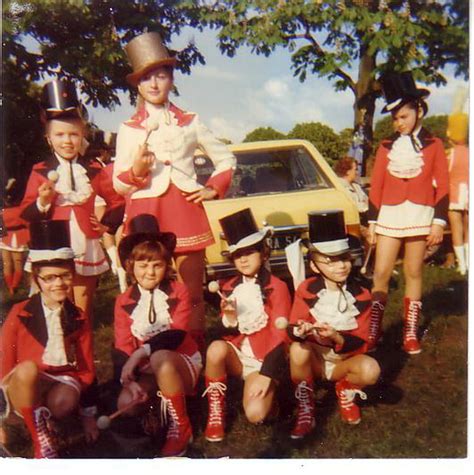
59	99
50	240
327	233
399	89
144	227
240	230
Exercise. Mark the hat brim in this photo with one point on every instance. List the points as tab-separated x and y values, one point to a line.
134	78
328	248
129	242
248	241
48	255
393	106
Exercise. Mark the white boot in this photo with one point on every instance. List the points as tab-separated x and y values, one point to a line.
122	277
461	258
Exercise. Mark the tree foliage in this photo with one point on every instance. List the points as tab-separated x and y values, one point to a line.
79	40
350	42
264	133
322	137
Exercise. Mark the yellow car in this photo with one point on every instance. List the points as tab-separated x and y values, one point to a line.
280	181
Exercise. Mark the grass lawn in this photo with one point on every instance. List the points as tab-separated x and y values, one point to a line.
418	409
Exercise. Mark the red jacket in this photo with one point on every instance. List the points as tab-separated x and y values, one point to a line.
277	303
386	189
179	309
100	182
24	336
306	296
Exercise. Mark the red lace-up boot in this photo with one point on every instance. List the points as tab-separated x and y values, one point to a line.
305	420
36	421
410	326
346	393
215	391
180	434
375	329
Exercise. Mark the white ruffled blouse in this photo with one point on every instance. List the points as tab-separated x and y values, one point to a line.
83	189
141	327
327	309
404	160
251	315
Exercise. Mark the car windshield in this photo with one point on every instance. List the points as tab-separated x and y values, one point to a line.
269	171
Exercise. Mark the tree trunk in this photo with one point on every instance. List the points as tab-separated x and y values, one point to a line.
364	105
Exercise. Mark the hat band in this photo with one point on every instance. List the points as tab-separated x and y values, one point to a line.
328	247
393	104
37	255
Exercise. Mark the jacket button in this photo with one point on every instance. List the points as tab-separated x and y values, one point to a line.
167	163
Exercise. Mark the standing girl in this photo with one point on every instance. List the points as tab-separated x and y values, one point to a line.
408	202
46	343
153	347
64	187
154	166
256	349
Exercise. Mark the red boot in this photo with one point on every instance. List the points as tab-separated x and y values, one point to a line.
179	433
410	326
346	393
375	329
37	423
215	427
305	421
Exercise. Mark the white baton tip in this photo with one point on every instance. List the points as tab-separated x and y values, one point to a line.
103	422
281	323
213	286
53	176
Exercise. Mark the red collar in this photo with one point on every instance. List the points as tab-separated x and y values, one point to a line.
182	117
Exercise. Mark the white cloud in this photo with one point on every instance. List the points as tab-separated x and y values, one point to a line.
212	72
276	88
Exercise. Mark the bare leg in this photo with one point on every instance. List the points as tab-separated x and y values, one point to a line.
413	266
386	254
84	288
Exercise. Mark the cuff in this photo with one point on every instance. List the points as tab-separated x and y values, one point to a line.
90	411
440	221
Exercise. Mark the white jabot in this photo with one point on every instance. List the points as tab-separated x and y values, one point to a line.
55	353
141	327
404	160
326	309
83	188
251	313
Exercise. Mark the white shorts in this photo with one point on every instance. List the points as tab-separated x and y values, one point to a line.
250	364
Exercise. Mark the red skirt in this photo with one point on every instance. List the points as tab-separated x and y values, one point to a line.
174	214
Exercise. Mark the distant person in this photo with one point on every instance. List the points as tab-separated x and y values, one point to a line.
47	360
408	202
458	124
65	184
154	166
329	325
14	238
254	349
154	353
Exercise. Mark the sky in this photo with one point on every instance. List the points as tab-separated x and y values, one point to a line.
234	96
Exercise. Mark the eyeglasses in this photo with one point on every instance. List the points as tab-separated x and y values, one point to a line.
50	278
333	260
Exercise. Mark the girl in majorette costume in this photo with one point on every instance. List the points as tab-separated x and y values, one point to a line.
255	350
408	202
154	166
458	157
14	239
46	353
329	323
65	185
153	346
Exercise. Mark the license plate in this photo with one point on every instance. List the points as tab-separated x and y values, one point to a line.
280	241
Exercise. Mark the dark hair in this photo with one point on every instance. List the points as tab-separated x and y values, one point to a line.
149	251
261	247
414	105
343	165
